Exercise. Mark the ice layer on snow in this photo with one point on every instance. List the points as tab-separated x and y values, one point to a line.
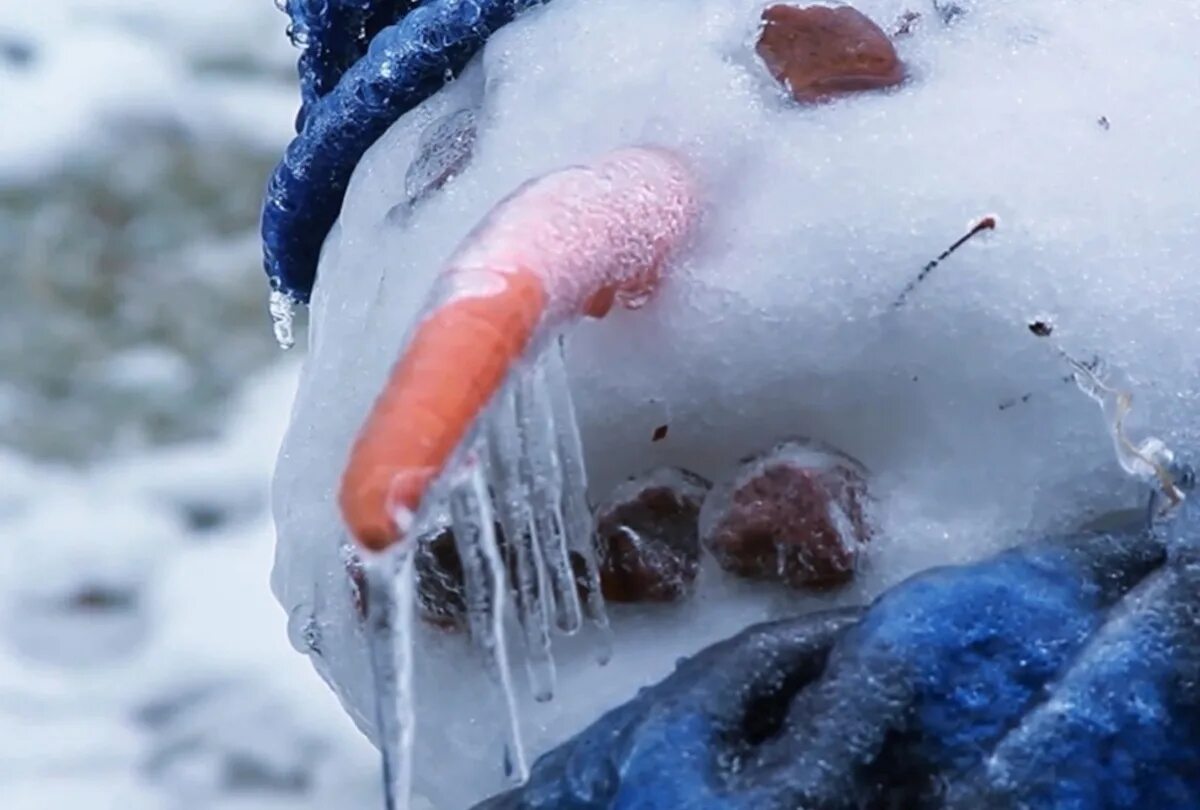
1077	126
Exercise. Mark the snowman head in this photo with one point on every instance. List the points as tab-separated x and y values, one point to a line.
778	320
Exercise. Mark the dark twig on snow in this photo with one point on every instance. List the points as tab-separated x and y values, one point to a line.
987	223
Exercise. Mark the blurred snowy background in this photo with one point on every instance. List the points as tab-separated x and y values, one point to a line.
143	661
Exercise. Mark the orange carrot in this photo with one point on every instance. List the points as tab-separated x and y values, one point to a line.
570	244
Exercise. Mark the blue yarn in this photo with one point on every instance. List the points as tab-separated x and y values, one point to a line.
403	65
334	35
1063	674
657	752
941	667
1122	729
980	643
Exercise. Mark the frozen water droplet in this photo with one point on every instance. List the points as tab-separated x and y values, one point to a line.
303	631
298	35
282	308
282	5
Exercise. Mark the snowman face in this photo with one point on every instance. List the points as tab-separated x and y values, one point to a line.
779	320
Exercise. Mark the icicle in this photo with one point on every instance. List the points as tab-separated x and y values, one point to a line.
577	514
511	500
389	599
542	474
282	308
487	593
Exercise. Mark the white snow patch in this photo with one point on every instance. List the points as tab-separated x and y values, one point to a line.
144	664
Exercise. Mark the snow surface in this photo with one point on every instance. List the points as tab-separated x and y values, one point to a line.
94	65
143	663
1077	125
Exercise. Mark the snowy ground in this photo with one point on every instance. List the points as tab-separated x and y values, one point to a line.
144	664
135	139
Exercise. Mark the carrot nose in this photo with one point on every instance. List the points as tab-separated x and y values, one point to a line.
457	359
571	244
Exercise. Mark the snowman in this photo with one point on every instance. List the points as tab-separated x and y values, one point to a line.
642	329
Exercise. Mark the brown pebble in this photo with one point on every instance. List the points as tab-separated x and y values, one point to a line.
634	566
439	581
441	584
820	52
441	587
647	537
793	515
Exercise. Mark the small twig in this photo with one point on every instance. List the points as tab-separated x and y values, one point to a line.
949	11
987	223
906	23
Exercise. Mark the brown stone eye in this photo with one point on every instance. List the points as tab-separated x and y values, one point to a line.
819	52
794	515
647	537
440	583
